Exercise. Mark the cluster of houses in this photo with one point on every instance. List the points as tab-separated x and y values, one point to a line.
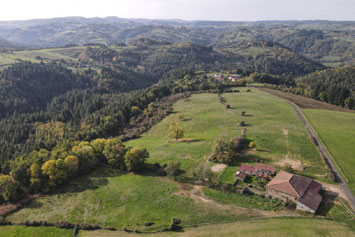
302	191
263	171
220	77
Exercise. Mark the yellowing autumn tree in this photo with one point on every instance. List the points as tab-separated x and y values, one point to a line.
135	159
176	131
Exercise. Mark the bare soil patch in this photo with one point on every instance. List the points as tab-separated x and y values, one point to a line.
218	167
295	164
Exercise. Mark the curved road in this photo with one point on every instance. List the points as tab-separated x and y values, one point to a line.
325	156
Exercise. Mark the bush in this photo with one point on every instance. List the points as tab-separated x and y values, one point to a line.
242	123
251	144
288	168
172	169
243	113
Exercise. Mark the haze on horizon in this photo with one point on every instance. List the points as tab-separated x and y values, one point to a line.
221	10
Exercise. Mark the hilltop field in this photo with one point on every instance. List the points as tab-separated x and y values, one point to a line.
107	197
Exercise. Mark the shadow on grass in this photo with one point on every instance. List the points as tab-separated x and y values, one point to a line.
89	181
327	202
190	140
249	158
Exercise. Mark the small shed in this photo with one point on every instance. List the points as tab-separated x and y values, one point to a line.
241	175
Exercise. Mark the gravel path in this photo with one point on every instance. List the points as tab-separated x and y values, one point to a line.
325	156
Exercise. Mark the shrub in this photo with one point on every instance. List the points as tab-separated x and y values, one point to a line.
288	168
243	113
242	123
172	169
251	144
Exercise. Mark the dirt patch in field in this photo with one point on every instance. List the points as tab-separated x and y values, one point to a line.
295	164
218	167
195	192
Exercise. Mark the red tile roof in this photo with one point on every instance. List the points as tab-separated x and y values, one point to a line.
270	168
303	188
249	168
311	199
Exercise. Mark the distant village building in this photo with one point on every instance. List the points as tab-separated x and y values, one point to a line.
234	77
299	189
219	77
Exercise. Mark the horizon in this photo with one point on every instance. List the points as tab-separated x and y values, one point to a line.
198	10
177	19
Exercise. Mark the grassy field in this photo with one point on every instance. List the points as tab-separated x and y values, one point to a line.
108	198
265	227
337	132
69	54
204	119
250	201
23	231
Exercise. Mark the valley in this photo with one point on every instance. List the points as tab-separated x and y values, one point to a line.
128	127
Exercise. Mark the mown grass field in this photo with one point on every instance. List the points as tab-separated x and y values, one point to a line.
109	198
295	227
23	231
337	132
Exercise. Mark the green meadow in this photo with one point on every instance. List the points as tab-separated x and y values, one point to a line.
203	119
23	231
107	197
271	123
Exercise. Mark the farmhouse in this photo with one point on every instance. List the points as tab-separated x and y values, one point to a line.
299	189
263	171
219	77
250	170
234	77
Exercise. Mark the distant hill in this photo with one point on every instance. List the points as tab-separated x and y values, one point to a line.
8	46
328	42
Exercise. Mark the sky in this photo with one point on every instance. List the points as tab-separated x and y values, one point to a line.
221	10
